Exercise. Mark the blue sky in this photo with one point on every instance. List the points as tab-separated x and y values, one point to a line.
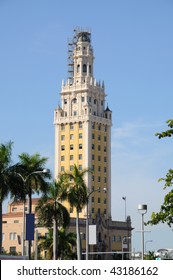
133	45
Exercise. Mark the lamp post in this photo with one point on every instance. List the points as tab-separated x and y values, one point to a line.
124	198
142	209
87	219
24	183
146	244
124	238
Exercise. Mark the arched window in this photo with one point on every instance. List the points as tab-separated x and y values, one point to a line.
84	68
78	68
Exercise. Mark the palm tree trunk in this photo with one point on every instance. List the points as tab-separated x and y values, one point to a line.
78	236
55	239
0	227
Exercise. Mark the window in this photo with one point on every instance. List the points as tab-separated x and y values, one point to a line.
62	158
80	156
99	158
62	168
104	148
105	169
74	101
82	98
92	146
104	200
99	148
99	126
99	137
80	135
14	209
16	221
75	113
80	146
99	168
71	126
95	101
84	68
92	210
98	199
62	137
105	138
114	238
92	157
65	101
71	147
71	167
119	238
105	180
78	68
71	136
93	125
13	236
80	167
92	177
92	199
90	69
71	157
99	179
62	126
80	125
3	236
93	136
105	159
63	148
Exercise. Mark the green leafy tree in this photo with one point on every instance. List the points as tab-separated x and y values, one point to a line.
66	242
77	197
165	215
30	170
9	182
51	211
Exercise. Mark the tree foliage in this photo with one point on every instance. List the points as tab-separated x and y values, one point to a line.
165	215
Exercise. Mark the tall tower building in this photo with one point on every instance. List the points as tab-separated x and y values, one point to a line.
83	126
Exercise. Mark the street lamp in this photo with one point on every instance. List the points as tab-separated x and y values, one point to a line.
146	244
44	171
142	209
124	238
87	219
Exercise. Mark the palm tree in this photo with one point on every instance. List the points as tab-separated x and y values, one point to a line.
9	183
66	241
30	170
51	211
77	197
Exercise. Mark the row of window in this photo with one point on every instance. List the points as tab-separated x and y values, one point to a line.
80	136
71	167
99	148
94	126
98	200
89	99
99	179
99	158
71	147
118	238
71	157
